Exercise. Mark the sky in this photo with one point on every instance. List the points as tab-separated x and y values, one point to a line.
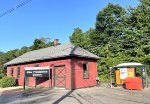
54	19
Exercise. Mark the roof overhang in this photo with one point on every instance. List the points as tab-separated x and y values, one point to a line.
131	64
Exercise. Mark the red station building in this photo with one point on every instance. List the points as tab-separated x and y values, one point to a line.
71	67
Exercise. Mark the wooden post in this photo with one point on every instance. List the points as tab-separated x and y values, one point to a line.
24	83
35	82
143	70
49	77
146	77
110	69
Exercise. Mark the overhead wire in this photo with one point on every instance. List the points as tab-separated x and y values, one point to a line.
14	8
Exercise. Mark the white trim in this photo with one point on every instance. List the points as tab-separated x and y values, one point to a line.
129	64
36	68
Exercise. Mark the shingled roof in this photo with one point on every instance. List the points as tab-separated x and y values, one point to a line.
52	53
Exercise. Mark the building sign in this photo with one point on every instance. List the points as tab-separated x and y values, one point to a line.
37	72
123	73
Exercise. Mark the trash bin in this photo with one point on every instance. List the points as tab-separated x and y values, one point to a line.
134	83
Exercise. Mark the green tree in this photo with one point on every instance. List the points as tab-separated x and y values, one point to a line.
119	36
5	57
110	27
139	22
110	24
41	43
81	39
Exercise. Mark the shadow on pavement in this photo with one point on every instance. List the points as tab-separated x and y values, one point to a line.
67	95
32	92
63	97
37	96
9	96
42	96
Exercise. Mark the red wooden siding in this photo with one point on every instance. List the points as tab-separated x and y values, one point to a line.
77	73
78	79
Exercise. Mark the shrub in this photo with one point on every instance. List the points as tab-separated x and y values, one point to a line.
7	82
1	76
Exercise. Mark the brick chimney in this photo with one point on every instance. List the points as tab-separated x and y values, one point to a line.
56	42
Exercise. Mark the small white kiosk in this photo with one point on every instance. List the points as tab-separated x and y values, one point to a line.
124	70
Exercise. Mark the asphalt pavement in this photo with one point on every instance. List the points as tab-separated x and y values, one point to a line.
93	95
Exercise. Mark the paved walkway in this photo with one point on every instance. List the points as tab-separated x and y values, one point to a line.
9	88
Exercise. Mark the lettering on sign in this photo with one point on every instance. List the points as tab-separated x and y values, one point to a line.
37	73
